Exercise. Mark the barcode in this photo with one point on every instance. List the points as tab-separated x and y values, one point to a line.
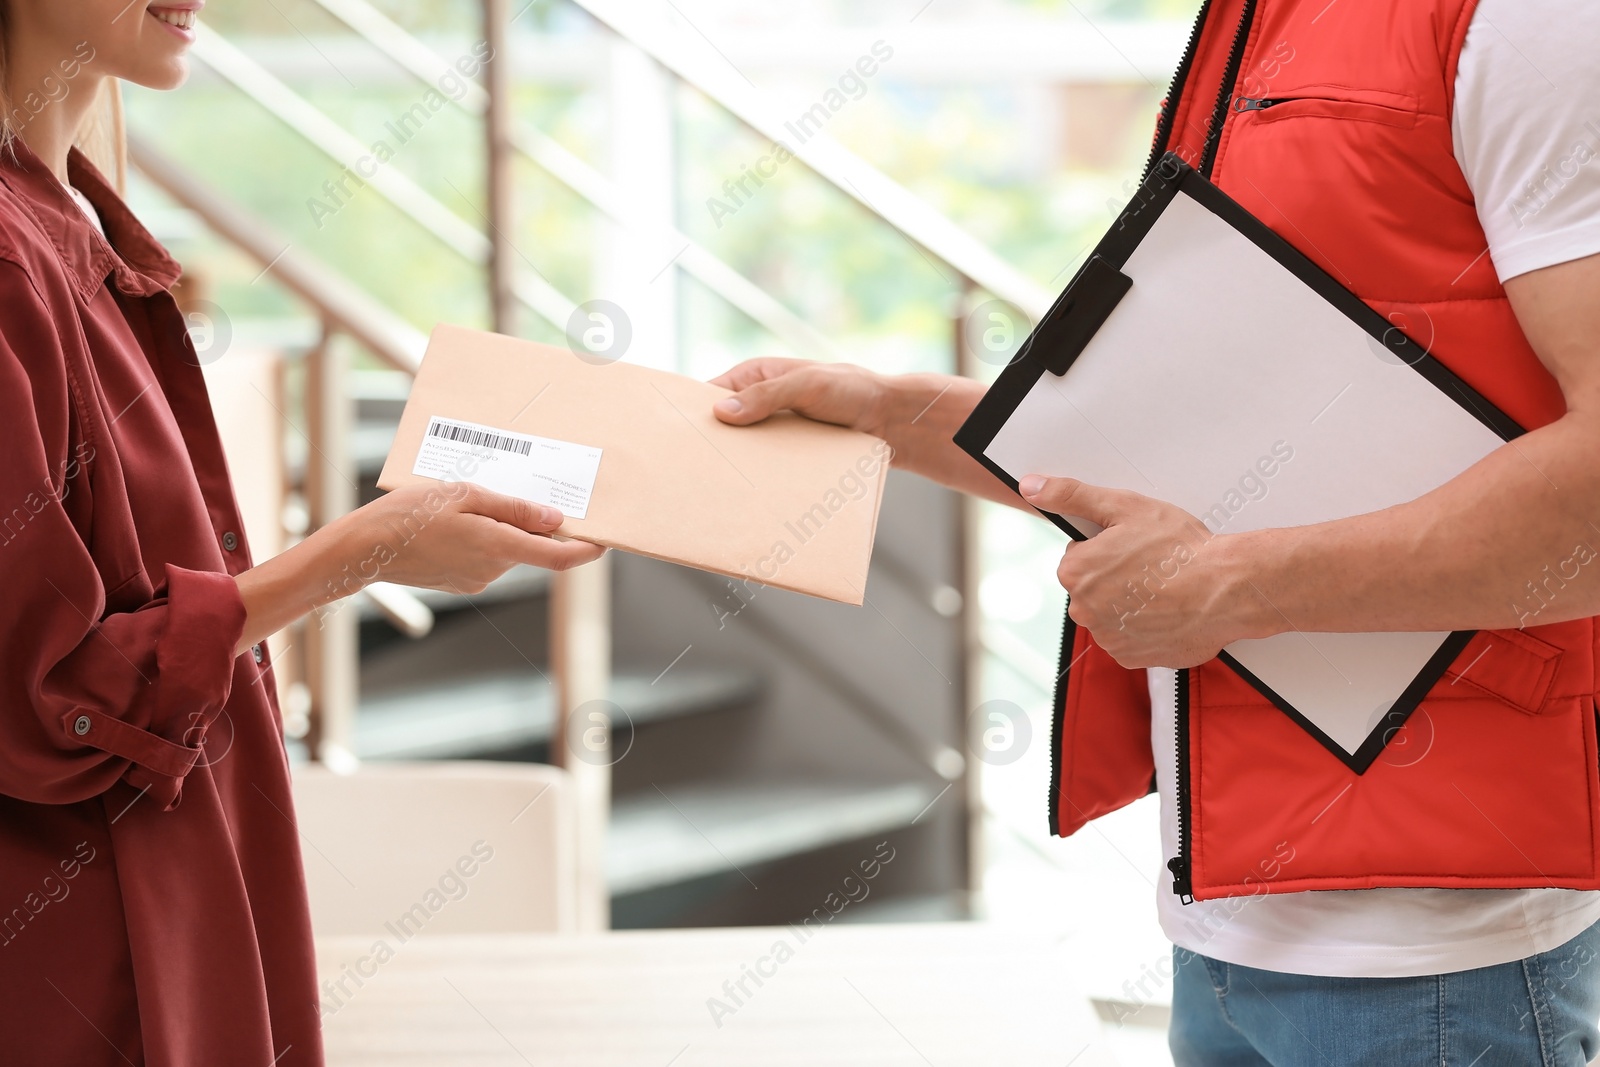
467	435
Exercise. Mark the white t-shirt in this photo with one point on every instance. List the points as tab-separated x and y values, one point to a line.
1527	136
86	207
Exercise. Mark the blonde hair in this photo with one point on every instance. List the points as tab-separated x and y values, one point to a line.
5	73
101	137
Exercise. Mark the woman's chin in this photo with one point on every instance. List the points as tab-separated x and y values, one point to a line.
162	76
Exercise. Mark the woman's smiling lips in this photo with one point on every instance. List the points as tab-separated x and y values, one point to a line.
180	18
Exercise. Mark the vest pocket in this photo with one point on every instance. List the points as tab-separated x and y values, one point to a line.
1355	105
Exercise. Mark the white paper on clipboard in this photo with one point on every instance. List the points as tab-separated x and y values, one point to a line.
1217	356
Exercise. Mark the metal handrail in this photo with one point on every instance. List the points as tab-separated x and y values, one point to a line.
425	65
834	163
830	160
338	302
310	122
328	137
974	262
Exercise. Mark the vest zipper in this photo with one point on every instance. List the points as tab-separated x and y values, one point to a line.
1230	74
1179	865
1260	103
1164	121
1069	633
1180	78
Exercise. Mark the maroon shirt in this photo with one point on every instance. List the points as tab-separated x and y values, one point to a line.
152	905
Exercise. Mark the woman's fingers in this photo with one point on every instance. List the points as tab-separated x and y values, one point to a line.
520	532
513	511
563	555
513	546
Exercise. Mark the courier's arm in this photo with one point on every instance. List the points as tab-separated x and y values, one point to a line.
1463	556
917	414
1510	542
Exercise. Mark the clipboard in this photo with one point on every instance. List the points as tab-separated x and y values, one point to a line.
1199	358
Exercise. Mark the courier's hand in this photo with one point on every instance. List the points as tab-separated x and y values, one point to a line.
839	393
1155	587
453	536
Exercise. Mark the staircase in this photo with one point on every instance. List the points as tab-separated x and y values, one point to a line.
752	747
749	738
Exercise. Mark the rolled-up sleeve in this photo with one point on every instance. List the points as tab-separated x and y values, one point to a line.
90	697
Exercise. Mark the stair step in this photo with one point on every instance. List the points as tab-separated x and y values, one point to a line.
497	712
658	838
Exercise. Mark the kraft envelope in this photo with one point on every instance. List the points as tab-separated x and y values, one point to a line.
789	503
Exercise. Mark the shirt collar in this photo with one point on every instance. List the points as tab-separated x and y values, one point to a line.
127	254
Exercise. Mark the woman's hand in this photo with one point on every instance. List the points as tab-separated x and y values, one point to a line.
452	536
840	393
455	536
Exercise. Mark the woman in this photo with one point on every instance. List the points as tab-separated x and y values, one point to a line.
152	908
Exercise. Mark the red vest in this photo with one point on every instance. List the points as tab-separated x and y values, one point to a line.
1331	123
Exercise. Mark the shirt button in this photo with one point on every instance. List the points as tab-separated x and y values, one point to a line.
230	540
255	650
81	724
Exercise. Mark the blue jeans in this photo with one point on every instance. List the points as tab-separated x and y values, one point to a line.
1537	1012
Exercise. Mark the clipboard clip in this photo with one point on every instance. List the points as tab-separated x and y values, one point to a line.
1078	314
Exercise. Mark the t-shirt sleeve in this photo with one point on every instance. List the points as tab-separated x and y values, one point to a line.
1527	129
